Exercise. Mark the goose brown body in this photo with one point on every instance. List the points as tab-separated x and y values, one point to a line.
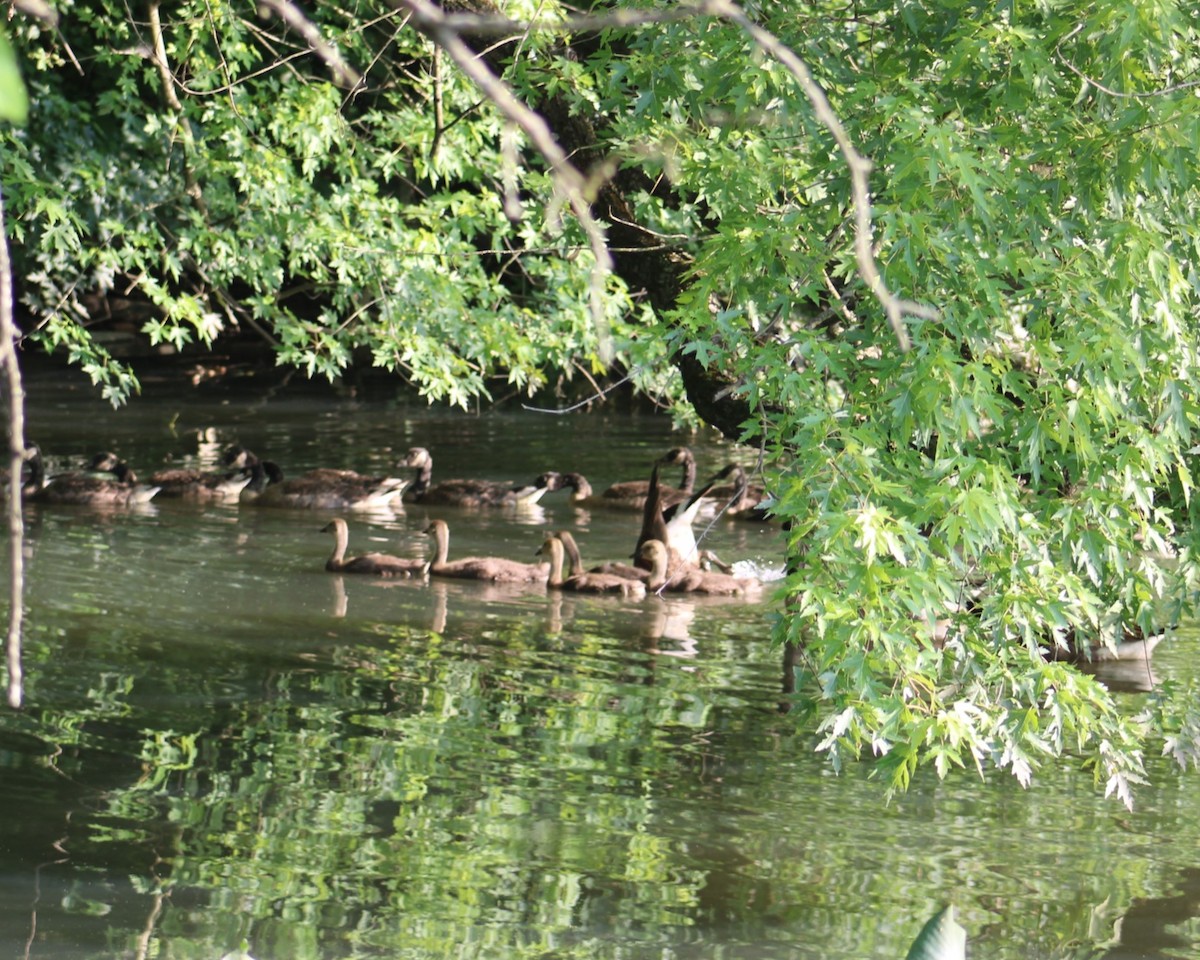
632	494
108	481
738	498
198	485
331	489
465	493
372	564
492	569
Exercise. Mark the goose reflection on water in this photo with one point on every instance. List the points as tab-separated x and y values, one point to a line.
1141	931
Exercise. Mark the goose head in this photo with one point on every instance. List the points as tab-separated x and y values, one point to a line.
104	462
578	483
417	457
239	458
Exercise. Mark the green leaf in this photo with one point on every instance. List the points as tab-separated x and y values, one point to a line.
14	101
940	939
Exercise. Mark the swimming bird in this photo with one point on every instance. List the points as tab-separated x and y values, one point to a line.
492	569
325	488
582	582
1134	645
691	579
672	526
262	473
107	481
376	564
615	568
200	485
739	498
632	493
469	493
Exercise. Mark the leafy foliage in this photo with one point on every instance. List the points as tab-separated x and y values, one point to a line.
1020	480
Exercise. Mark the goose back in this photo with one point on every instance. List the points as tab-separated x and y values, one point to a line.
199	485
633	493
468	492
331	489
106	481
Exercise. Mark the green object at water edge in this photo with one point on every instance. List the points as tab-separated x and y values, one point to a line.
940	939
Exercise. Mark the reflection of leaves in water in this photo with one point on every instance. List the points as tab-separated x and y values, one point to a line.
490	780
504	788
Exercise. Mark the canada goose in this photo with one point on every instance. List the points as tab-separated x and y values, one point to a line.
739	498
671	526
199	485
469	493
1134	645
690	579
493	569
679	518
632	493
552	547
263	473
616	569
238	457
107	481
377	564
322	489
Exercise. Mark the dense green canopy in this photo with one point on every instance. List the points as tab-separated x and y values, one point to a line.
967	482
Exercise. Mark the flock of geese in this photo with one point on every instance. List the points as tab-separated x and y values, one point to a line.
666	557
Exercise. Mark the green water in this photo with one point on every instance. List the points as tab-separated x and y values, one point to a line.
223	743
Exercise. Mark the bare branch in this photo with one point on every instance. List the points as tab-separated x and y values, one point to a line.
287	12
1161	92
860	168
16	450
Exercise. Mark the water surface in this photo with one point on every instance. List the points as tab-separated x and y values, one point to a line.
225	744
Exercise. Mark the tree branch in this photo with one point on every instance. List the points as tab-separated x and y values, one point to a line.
16	449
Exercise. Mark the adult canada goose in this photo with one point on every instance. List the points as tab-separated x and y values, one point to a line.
739	498
690	579
200	485
1133	645
375	564
672	525
552	547
492	569
632	493
262	473
469	493
322	489
107	481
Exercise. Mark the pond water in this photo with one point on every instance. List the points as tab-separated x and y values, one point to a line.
224	747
